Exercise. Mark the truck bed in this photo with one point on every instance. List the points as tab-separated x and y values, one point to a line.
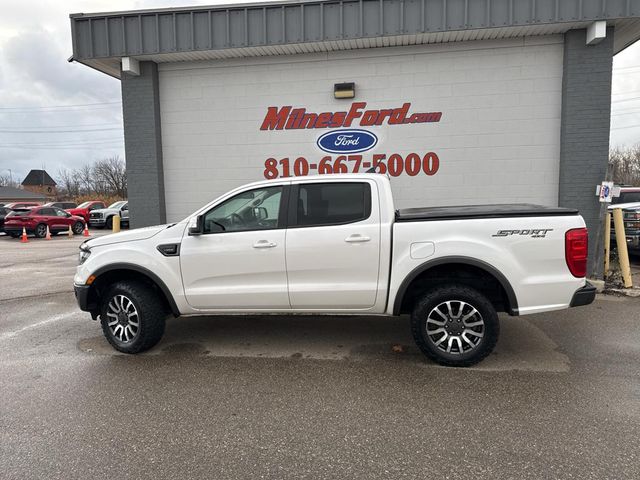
480	211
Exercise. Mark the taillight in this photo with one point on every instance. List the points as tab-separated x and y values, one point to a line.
576	251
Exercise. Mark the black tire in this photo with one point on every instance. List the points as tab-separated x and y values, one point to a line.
78	228
151	316
109	223
455	326
41	230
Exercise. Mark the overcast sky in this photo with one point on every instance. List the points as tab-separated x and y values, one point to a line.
62	115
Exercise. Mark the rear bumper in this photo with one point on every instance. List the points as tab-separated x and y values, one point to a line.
584	296
8	229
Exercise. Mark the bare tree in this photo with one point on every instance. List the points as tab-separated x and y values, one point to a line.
112	175
68	183
86	179
104	179
624	165
7	181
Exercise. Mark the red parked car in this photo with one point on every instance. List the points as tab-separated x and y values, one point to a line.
35	221
85	208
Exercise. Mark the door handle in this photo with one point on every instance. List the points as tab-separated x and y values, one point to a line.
264	244
357	238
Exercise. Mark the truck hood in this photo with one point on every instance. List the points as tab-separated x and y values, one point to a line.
128	236
105	210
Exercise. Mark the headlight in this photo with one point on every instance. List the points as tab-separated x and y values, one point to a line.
84	254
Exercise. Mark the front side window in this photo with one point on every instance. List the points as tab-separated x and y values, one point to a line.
332	203
253	210
60	213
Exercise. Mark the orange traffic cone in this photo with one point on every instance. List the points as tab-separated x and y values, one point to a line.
86	230
23	239
70	233
48	235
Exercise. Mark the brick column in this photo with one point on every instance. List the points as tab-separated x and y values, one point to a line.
143	146
584	140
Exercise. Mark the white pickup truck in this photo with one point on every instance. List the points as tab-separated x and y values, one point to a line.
336	245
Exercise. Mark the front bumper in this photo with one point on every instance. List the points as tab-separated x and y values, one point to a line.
583	296
97	222
82	297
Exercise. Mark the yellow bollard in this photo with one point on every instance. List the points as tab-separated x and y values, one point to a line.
607	243
116	223
621	242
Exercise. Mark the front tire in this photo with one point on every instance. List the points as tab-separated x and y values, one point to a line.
109	223
78	228
41	230
455	325
132	316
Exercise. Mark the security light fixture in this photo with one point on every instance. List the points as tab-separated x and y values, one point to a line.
344	90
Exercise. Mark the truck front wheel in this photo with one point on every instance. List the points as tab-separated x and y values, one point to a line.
455	325
132	317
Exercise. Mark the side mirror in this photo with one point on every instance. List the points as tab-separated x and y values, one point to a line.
198	228
260	213
125	209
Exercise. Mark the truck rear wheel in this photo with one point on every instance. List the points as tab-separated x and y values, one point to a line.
455	325
132	317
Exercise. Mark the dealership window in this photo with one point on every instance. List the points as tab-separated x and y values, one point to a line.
253	210
332	203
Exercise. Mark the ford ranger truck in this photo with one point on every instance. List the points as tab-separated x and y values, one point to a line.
335	244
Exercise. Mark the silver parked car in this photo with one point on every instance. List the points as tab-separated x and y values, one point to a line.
103	217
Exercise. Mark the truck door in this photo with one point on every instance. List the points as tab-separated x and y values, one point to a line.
333	243
238	260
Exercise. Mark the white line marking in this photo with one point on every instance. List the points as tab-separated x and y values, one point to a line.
55	318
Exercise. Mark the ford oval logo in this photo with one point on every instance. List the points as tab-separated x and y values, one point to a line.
347	141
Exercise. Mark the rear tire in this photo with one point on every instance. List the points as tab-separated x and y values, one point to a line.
455	325
132	316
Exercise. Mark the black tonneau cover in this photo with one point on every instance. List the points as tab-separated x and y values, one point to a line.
480	211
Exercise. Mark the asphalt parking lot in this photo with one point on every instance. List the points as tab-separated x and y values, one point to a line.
306	397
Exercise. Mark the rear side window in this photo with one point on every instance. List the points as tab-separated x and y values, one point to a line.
628	197
332	203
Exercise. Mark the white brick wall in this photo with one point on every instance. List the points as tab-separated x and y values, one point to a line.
498	140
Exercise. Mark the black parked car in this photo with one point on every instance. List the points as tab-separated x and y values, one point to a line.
4	211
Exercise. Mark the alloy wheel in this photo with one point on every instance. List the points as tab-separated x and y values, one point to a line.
122	319
455	327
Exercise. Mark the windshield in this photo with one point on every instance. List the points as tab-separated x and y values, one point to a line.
84	205
116	205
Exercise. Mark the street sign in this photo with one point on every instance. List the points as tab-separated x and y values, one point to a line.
606	192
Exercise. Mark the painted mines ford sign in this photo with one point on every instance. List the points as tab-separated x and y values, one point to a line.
347	141
289	118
